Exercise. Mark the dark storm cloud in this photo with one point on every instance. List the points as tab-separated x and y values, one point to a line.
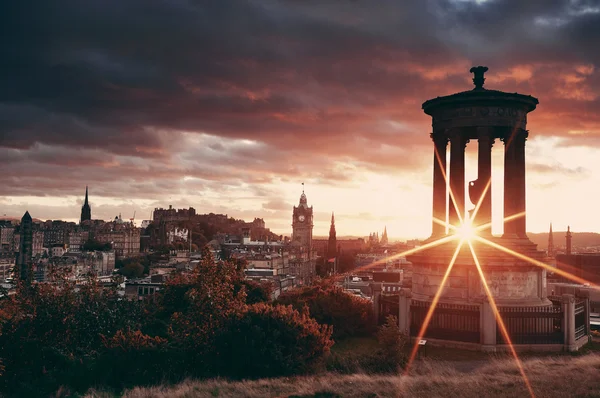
113	85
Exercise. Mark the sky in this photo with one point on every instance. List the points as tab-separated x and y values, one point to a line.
228	106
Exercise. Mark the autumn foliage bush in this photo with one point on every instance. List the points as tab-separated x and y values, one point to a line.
266	341
350	315
130	358
205	323
50	333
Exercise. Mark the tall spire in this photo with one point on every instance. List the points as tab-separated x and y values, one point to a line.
332	252
86	210
550	243
332	227
384	237
25	255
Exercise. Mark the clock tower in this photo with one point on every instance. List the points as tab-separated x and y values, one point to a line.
302	222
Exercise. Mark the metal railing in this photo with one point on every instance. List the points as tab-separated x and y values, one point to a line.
454	322
531	325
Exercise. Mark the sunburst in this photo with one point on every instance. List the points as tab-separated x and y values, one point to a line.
467	233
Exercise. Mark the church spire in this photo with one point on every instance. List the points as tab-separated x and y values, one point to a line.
550	243
384	237
86	210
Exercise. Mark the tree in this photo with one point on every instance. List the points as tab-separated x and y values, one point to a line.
320	267
94	245
346	262
198	304
49	333
132	270
255	292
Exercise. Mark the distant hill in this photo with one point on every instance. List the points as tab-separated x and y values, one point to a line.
17	220
580	239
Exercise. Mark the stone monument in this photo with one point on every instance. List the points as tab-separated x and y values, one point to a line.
484	116
519	306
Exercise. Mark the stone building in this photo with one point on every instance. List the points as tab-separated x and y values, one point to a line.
38	242
57	232
77	239
123	236
277	262
144	288
171	214
7	238
176	234
101	263
7	264
57	250
352	246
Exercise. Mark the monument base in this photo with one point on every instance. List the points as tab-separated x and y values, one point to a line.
512	281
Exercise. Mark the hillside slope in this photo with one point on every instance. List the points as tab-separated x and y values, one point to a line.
563	376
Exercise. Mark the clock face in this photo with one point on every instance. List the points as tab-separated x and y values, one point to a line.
301	218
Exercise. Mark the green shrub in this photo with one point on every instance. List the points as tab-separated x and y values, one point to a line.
386	358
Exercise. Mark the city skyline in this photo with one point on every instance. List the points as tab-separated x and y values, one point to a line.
331	98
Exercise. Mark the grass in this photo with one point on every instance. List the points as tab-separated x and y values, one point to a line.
355	345
560	376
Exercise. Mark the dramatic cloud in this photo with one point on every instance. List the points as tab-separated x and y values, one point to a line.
234	104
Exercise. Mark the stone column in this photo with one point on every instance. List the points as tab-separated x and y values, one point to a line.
568	304
520	202
404	311
487	326
457	176
376	289
484	175
511	185
440	142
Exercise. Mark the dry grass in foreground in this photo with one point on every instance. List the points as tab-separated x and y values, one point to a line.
550	377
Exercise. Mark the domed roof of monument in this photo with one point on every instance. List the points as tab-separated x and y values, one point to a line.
480	96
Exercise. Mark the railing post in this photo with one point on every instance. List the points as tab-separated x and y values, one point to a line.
568	302
585	295
488	326
404	311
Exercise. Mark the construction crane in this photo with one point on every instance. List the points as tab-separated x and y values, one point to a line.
133	218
